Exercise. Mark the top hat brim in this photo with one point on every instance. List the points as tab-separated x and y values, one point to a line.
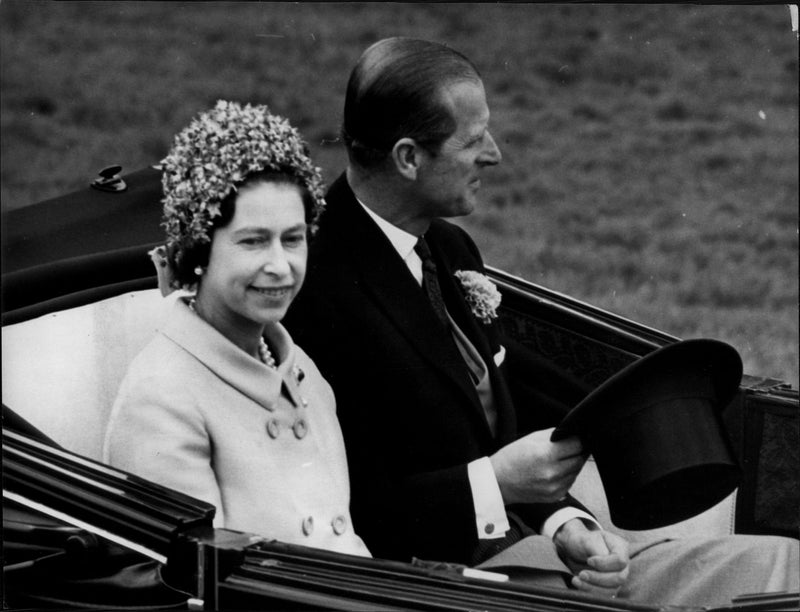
701	361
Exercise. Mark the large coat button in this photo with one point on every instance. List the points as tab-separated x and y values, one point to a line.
273	428
300	428
339	525
308	525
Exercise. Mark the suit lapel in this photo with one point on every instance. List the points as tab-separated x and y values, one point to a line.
456	302
388	282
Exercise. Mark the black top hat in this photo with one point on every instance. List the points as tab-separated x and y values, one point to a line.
655	431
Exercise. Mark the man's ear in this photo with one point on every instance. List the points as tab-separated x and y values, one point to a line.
406	157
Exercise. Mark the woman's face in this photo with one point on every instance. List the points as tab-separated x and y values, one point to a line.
257	262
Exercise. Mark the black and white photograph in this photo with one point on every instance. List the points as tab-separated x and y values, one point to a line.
400	306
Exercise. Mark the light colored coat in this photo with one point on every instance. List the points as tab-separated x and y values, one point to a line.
197	414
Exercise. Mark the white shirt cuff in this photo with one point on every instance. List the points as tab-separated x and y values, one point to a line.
559	517
490	513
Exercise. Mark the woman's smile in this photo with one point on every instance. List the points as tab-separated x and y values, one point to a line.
276	293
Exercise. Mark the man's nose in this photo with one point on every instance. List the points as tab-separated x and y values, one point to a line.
490	156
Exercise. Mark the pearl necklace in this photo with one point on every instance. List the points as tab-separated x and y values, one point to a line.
264	354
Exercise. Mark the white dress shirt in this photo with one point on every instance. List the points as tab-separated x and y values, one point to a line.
491	521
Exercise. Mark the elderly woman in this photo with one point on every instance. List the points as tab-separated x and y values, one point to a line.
221	405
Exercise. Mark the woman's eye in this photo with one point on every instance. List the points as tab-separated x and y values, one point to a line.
294	239
252	241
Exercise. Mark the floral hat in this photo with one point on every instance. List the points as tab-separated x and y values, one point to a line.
214	154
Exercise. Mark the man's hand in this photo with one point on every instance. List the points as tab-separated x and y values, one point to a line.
535	470
598	558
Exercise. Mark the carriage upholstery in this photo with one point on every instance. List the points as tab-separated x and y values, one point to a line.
61	372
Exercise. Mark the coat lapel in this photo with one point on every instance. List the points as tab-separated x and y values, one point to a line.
244	373
387	280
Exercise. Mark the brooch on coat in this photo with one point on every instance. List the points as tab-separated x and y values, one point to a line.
482	295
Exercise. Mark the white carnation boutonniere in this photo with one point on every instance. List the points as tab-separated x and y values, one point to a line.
481	293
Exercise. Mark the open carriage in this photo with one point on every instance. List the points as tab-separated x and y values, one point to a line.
79	302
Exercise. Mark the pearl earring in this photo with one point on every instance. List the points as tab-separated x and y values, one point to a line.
198	271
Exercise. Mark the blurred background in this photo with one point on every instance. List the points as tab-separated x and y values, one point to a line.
650	151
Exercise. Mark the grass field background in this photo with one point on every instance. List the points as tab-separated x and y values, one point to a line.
650	151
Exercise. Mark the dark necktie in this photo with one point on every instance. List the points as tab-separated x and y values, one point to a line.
430	281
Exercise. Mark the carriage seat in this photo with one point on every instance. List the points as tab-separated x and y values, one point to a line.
61	372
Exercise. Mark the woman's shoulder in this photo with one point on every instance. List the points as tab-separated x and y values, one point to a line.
158	394
161	365
155	401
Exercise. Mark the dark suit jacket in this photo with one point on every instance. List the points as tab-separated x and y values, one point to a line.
410	416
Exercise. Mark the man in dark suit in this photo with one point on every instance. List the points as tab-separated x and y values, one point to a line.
446	424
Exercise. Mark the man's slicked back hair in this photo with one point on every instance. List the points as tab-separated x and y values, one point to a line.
394	92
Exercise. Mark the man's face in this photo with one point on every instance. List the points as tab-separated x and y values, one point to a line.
448	181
